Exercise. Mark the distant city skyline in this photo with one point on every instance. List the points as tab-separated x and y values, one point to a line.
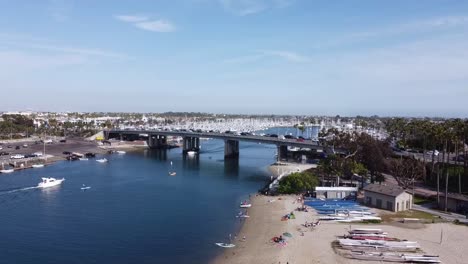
386	58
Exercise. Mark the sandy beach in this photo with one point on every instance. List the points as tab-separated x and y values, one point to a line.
315	246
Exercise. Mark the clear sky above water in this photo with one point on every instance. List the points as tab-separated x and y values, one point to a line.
237	56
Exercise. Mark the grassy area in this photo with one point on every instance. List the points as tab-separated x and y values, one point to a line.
408	214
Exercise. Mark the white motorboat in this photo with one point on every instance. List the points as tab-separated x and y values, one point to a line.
7	171
37	165
102	160
84	187
120	152
83	159
50	182
191	153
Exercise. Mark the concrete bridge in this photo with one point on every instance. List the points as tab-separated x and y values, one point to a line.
191	140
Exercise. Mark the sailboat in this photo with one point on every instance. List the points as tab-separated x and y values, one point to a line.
226	245
172	171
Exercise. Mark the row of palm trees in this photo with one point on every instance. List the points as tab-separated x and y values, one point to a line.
448	137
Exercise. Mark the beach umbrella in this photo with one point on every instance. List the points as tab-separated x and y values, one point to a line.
287	234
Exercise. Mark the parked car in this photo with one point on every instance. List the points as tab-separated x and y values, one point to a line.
25	145
17	147
17	156
274	135
431	152
289	137
4	153
66	153
63	141
38	154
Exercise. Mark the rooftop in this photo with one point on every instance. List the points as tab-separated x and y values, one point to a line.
456	196
390	190
337	189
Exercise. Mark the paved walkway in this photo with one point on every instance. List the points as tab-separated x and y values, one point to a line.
447	216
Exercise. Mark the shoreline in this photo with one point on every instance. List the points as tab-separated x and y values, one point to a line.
54	152
314	245
446	240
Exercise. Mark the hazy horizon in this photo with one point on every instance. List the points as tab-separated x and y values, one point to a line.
292	57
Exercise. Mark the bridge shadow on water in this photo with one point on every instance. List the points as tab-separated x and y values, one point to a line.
157	154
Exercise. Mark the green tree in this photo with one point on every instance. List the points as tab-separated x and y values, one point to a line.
298	182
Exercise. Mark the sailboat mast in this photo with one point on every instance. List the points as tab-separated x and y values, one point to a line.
43	152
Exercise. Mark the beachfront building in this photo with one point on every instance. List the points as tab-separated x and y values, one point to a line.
335	192
455	202
388	197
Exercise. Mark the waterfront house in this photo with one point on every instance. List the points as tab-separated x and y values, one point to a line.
388	197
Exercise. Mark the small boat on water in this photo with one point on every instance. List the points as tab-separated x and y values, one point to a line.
120	152
84	187
243	216
245	204
191	153
50	182
225	245
172	172
102	160
37	165
7	171
83	159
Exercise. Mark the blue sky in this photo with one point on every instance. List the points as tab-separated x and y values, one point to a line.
237	56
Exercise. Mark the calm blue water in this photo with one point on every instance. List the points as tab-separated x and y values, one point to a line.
135	212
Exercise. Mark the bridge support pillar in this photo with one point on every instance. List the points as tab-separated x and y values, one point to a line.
157	141
191	144
282	152
231	149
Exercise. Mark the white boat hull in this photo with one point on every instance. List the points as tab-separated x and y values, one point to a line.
224	245
50	182
7	171
38	166
245	205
